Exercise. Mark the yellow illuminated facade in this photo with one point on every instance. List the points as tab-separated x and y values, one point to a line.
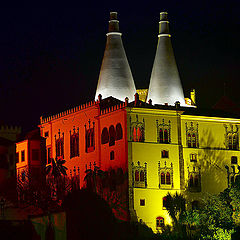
171	150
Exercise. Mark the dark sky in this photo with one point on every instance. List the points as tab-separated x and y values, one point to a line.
50	58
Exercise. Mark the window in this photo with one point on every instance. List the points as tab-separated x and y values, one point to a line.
119	132
232	141
74	145
59	148
46	134
162	178
49	155
193	157
163	131
234	160
166	136
90	143
164	202
159	222
194	181
136	176
141	176
142	202
137	130
17	157
35	154
192	135
112	136
104	136
112	155
23	156
164	154
168	178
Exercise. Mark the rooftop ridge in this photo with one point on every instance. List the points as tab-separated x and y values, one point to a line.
68	111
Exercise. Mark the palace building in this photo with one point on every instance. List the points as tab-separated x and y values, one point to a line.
151	141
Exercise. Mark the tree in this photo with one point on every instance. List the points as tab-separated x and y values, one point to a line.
176	207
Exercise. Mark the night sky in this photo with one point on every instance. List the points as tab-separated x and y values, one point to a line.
50	58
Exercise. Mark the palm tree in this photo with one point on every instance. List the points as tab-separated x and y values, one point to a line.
176	207
56	170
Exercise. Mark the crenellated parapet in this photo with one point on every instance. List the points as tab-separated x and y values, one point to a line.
10	129
113	108
69	111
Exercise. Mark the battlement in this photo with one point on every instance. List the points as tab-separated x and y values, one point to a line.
113	108
10	129
68	112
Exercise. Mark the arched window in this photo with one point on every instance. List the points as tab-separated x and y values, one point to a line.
189	140
164	154
136	175
191	181
142	176
140	134
119	132
230	146
112	155
166	136
196	181
104	136
164	200
235	142
193	140
168	178
159	222
162	178
161	135
134	134
112	135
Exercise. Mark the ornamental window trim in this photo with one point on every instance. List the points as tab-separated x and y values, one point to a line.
137	130
163	131
231	137
194	179
165	174
89	137
59	145
74	142
139	175
192	136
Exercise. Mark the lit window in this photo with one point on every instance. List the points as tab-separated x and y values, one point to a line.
234	160
142	202
165	154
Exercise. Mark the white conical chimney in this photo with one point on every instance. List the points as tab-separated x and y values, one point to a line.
115	77
165	84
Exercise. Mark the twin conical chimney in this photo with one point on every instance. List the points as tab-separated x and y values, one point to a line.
165	84
115	77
